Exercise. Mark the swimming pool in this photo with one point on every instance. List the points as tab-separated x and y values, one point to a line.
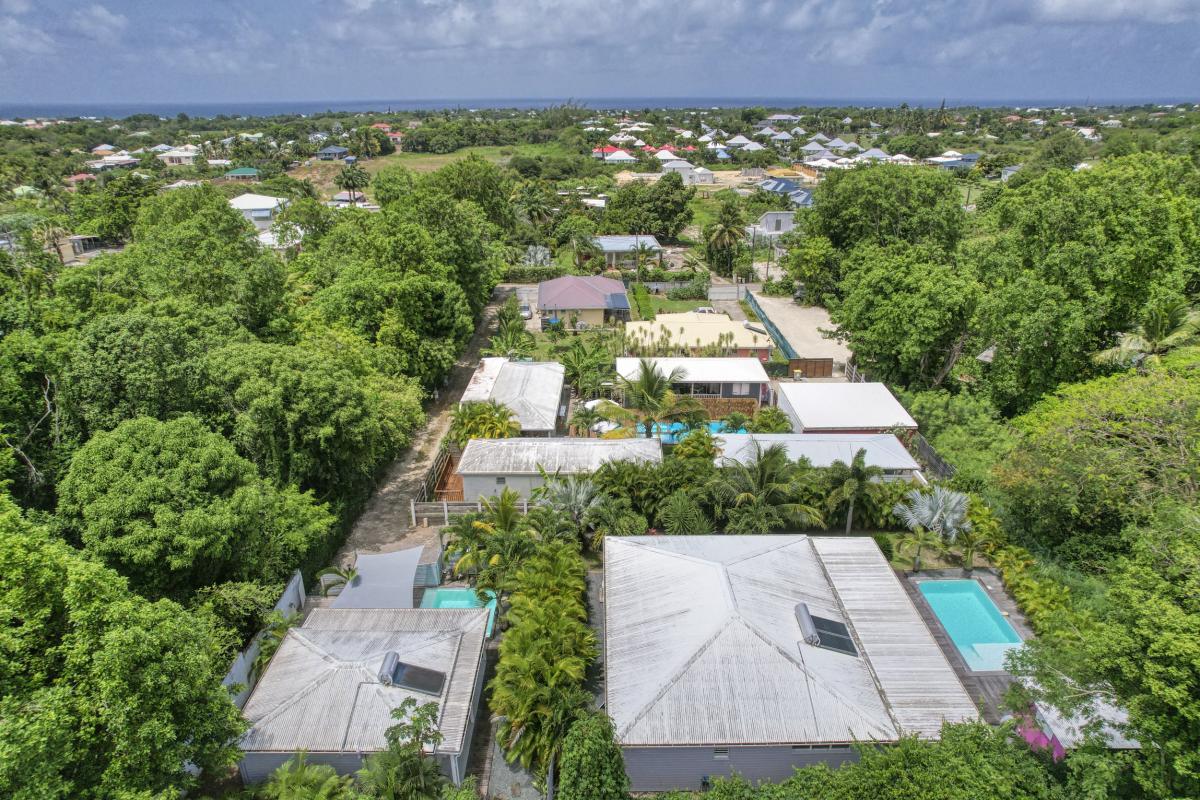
458	597
673	432
977	628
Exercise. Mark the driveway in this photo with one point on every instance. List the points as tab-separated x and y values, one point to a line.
385	521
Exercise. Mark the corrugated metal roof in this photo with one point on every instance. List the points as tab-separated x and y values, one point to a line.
626	244
695	330
575	292
883	450
852	406
703	647
919	684
566	455
321	691
701	370
533	390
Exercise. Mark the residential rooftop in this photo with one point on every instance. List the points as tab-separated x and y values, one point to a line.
881	450
563	455
700	370
533	390
843	406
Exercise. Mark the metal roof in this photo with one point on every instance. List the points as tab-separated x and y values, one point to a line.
575	292
690	329
848	406
626	244
701	370
565	455
533	390
257	202
703	646
883	450
321	691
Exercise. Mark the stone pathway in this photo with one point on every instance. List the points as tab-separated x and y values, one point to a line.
385	521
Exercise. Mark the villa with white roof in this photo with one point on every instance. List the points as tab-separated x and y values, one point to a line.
843	408
821	450
720	384
754	655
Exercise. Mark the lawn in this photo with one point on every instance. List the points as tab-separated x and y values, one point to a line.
322	173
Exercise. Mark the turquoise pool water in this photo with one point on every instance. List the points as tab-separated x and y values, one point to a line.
977	628
451	597
672	433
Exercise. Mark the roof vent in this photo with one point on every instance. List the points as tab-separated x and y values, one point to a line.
387	670
807	628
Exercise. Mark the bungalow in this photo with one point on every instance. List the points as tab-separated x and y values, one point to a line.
534	391
754	655
691	175
242	174
489	466
721	385
619	157
622	250
332	685
582	302
738	141
843	408
102	150
772	224
752	147
332	153
821	450
259	209
180	157
694	334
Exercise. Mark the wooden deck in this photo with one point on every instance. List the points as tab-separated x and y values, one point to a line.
987	689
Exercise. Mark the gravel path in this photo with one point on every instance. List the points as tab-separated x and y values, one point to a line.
385	521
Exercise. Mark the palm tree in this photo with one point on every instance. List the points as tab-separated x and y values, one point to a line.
511	342
583	248
583	419
274	631
725	235
573	495
481	420
917	540
641	254
971	541
941	510
734	422
1165	326
763	489
650	398
351	179
854	484
341	576
680	514
299	780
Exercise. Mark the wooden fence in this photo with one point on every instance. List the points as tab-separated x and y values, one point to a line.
441	512
434	474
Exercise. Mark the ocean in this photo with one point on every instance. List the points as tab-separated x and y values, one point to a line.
118	110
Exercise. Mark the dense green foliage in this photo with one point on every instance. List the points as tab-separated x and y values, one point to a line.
592	765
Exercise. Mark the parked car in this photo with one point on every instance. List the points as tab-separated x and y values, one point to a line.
706	310
526	311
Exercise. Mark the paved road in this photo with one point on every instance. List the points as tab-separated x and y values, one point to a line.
385	521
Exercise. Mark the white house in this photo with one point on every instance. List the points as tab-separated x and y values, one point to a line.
181	156
534	391
713	379
489	466
754	655
821	450
772	225
738	141
843	408
259	209
331	687
620	157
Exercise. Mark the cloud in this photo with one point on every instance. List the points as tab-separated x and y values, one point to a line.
1100	11
97	22
18	39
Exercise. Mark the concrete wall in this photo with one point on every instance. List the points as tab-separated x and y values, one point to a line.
658	769
241	673
475	486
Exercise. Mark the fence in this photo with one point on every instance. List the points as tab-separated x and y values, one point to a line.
727	291
441	512
434	474
242	674
780	341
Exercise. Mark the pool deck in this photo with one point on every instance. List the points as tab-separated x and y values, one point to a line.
987	688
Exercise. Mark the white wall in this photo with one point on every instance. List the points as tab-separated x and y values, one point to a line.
475	486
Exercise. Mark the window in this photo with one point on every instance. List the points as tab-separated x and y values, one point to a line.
500	481
721	753
778	224
740	389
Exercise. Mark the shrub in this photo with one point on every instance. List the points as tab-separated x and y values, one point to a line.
885	546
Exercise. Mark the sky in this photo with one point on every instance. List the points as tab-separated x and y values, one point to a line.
78	51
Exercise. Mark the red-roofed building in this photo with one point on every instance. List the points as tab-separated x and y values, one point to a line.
601	152
78	178
382	126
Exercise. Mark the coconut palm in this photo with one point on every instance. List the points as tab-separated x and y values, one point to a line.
941	510
642	254
734	422
338	576
970	542
761	492
481	420
512	342
1164	326
299	780
583	419
650	398
276	627
854	485
918	541
352	179
583	248
724	236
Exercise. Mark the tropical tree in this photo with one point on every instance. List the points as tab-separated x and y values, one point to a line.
352	179
583	419
593	767
339	576
941	510
481	419
614	516
759	494
724	236
573	495
680	514
770	419
853	485
970	541
299	780
734	422
920	540
276	627
512	342
1164	326
404	771
650	398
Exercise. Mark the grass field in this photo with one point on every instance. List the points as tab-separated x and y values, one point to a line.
322	173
